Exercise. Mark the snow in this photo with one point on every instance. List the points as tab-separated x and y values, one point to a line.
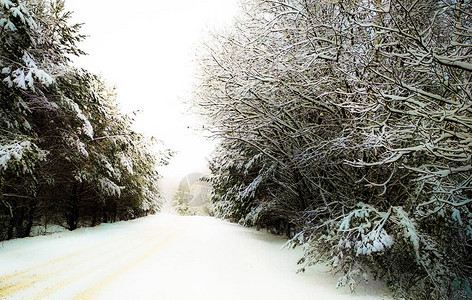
6	70
8	81
456	216
15	11
87	127
6	3
409	229
13	152
374	241
110	188
127	163
82	148
164	257
10	26
19	78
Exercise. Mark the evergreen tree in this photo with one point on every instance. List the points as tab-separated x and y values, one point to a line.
67	154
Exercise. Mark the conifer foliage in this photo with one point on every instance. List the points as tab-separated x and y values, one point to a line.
349	124
68	156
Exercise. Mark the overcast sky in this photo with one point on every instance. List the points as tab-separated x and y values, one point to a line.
147	49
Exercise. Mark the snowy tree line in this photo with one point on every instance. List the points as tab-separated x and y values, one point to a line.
68	156
348	124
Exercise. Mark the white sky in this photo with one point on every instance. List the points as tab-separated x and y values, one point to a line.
147	49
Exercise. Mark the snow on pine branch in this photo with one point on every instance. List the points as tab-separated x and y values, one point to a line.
16	152
87	127
127	163
6	3
250	190
110	169
19	11
368	235
75	143
24	76
110	188
149	199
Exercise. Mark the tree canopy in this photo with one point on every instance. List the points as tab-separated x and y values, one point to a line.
68	156
349	125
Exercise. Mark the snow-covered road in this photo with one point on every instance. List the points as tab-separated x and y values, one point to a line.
163	257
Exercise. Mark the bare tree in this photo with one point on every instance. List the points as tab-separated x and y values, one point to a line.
350	120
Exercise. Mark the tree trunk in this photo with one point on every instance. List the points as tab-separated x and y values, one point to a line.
31	212
73	213
11	228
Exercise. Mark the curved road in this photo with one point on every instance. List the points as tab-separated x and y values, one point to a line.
162	257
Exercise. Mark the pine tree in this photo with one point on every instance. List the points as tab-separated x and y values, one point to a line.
67	153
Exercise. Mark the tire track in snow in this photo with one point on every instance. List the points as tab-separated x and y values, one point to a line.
177	259
23	280
56	260
64	283
95	289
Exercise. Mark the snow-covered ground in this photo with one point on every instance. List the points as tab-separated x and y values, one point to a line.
163	257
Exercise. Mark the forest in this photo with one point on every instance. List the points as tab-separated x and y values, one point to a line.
347	125
344	124
68	155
